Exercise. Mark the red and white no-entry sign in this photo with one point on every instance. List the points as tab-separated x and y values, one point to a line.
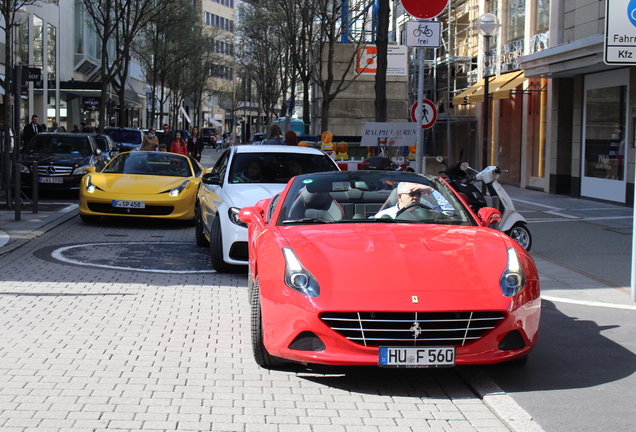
426	114
424	8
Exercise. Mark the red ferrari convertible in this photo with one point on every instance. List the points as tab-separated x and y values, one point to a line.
385	268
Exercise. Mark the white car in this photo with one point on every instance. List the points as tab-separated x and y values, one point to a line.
242	176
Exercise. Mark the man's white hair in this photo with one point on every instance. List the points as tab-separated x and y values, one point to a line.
403	187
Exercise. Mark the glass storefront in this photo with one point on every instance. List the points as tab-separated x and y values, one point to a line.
604	128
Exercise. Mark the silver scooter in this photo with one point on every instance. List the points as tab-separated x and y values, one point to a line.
512	223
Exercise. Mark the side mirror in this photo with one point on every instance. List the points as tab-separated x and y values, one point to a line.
251	214
211	178
98	152
489	216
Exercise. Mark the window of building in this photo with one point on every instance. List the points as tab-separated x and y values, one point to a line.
542	16
51	51
514	19
38	41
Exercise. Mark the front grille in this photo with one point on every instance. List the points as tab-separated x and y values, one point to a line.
54	170
148	211
374	329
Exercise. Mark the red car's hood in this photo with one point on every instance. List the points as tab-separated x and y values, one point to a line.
403	259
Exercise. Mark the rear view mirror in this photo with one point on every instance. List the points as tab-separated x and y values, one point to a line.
489	216
211	178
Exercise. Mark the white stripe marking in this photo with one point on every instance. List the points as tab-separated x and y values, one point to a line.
588	303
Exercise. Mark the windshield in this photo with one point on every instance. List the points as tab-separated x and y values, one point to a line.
60	144
372	197
276	167
125	136
150	163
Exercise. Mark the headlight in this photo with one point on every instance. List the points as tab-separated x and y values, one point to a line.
90	187
24	169
297	277
513	279
176	191
80	170
232	213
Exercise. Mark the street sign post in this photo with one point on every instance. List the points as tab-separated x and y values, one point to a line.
425	114
424	8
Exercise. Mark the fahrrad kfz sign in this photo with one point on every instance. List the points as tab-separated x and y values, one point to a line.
426	113
424	9
620	32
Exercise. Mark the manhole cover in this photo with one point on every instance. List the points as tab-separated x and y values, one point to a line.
158	257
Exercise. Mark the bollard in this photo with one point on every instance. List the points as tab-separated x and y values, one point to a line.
16	191
34	186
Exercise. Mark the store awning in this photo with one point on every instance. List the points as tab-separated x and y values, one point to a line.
504	91
494	84
214	122
461	98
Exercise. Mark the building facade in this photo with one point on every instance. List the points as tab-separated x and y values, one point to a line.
559	118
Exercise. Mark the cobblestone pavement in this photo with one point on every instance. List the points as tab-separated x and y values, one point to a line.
88	343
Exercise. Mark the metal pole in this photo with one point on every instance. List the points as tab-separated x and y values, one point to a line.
34	186
420	96
633	247
484	155
16	144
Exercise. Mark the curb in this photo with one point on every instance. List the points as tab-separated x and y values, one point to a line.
8	245
499	402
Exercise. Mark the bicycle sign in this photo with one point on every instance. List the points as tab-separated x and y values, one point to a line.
423	34
422	29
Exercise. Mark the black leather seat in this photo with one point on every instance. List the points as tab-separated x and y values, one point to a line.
319	205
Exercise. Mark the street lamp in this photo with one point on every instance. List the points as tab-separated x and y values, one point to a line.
488	26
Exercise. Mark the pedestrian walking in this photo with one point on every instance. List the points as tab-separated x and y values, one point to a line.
167	137
195	144
179	145
275	136
150	142
291	138
30	130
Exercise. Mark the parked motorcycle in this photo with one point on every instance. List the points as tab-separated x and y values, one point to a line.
512	222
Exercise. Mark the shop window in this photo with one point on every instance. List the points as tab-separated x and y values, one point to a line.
605	133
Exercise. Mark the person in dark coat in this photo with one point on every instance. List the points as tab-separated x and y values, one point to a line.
195	144
30	130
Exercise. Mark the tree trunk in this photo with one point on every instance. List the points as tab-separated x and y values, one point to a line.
382	40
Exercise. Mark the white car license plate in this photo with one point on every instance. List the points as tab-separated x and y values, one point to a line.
129	204
50	180
413	357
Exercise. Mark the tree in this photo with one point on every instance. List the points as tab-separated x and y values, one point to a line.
311	28
117	23
330	17
382	41
261	52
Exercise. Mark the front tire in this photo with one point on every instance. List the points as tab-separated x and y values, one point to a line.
519	233
216	249
261	356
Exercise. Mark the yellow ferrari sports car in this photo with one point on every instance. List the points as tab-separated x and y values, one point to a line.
142	184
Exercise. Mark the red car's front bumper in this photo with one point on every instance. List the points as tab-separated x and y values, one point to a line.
288	317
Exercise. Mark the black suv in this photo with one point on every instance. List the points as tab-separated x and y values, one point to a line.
62	160
126	139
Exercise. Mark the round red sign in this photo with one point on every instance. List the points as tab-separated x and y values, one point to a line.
427	115
424	8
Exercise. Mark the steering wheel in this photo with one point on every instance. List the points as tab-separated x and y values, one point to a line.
431	214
